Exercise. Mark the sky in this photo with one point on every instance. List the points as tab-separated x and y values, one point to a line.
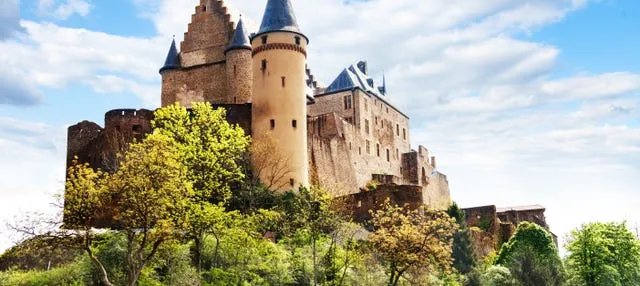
523	102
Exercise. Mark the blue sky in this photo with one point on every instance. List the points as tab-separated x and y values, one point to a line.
523	102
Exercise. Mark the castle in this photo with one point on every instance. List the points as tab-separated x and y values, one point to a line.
346	137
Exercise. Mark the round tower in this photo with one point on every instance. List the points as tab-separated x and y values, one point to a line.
239	69
279	111
168	72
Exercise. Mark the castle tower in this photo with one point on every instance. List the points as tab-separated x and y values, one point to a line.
279	94
239	70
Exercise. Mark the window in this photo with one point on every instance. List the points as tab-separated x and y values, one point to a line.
292	182
137	128
376	120
397	154
273	124
359	150
297	40
387	109
264	65
404	133
284	81
368	147
234	70
294	123
204	8
264	40
398	129
349	145
349	120
366	126
366	105
378	149
388	156
348	102
382	123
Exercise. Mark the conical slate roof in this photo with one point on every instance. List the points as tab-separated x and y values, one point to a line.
279	16
240	38
173	58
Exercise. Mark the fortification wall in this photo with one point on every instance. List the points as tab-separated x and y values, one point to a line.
404	195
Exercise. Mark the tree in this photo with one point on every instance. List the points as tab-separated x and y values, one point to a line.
532	257
211	149
603	254
270	165
412	239
152	193
86	191
464	259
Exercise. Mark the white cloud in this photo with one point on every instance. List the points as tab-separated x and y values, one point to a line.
65	9
9	18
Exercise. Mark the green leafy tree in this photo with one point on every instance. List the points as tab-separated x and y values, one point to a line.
212	150
464	259
497	276
153	196
603	254
532	257
412	239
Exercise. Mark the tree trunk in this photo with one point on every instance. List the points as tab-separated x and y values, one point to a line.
315	269
104	277
197	255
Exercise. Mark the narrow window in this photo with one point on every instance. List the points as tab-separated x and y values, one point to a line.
273	124
382	123
388	156
398	129
294	124
348	102
284	81
264	40
387	109
378	149
349	145
397	154
366	126
404	133
376	120
292	182
264	65
359	150
204	8
298	41
368	147
234	70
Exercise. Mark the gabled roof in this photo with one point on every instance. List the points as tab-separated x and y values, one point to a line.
173	58
279	16
354	77
240	38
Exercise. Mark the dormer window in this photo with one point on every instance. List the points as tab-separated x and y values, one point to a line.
264	40
297	40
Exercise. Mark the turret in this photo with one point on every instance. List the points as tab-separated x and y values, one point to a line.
168	72
239	70
173	59
279	94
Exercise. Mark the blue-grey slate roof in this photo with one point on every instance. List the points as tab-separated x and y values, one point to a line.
240	38
173	58
279	16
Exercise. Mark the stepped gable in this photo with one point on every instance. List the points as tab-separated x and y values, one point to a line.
208	35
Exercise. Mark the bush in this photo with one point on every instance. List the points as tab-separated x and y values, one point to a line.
71	274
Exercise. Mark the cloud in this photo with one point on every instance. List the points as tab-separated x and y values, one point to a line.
16	90
9	18
63	10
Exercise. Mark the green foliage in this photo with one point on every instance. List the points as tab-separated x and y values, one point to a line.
39	253
211	148
532	257
70	274
464	259
412	239
603	254
498	276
